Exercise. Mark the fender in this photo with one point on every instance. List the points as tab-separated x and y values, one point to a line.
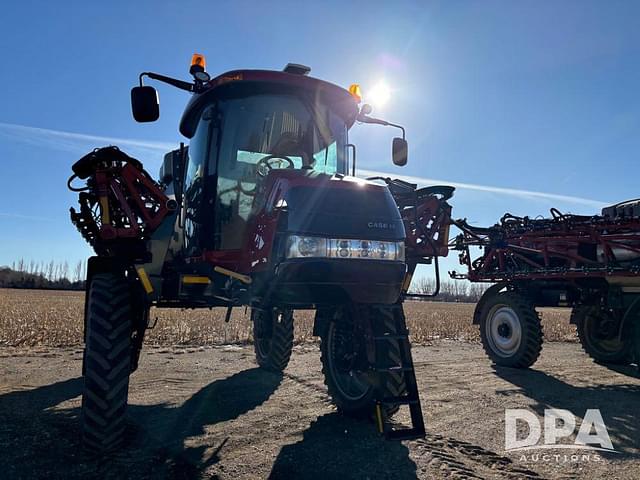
492	290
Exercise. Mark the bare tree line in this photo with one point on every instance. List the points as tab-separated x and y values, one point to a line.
451	290
43	274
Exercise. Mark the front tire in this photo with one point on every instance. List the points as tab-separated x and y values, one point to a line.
352	385
272	338
510	330
598	333
107	362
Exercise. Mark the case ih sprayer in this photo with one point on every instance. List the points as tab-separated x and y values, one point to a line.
258	211
589	263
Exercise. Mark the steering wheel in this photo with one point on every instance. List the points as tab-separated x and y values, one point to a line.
266	162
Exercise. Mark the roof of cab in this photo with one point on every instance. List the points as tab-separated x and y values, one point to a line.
199	100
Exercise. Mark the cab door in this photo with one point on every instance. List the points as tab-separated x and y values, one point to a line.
199	189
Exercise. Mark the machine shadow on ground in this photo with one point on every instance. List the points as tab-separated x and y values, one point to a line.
37	441
618	404
335	446
169	441
632	371
164	428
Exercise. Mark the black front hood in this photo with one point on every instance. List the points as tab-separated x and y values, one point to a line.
342	208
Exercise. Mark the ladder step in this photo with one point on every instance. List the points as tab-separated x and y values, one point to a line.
410	397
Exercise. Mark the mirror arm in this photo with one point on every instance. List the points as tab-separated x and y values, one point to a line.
377	121
398	126
181	84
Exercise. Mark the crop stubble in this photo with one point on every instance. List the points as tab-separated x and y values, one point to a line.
51	318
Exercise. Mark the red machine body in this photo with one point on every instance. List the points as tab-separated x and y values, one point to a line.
589	263
120	201
561	247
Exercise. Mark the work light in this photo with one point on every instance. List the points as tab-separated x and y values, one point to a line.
302	246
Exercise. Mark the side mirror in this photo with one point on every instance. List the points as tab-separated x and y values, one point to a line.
145	104
167	168
400	151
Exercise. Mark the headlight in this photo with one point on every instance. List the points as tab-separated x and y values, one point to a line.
299	246
304	247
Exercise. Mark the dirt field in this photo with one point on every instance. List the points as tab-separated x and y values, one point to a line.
208	412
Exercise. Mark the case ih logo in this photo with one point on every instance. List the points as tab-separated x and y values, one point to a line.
557	424
381	225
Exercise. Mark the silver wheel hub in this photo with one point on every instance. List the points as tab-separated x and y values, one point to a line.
504	330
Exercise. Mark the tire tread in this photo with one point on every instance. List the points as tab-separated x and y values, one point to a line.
281	343
578	318
384	384
532	330
107	363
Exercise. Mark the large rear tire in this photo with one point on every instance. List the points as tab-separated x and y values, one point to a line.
510	330
272	338
107	362
598	333
352	385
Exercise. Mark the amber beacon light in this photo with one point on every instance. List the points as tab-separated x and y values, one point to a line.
198	68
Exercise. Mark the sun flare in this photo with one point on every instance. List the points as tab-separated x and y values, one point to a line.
379	94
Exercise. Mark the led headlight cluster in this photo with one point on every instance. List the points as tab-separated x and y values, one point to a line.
299	246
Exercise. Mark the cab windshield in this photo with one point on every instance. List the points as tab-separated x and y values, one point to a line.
284	127
264	132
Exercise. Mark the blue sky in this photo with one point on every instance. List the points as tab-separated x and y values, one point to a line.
500	98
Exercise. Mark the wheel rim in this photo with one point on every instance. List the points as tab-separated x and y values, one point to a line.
352	383
504	330
601	332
